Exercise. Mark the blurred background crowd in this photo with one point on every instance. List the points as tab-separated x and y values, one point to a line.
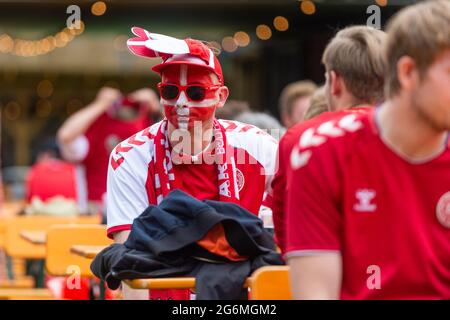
64	90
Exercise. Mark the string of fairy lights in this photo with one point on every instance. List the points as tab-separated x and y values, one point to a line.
45	89
31	48
264	32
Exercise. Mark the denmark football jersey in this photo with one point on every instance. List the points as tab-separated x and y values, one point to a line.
131	173
388	217
276	199
51	178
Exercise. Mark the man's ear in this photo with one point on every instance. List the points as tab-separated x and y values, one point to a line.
223	93
407	73
286	120
336	83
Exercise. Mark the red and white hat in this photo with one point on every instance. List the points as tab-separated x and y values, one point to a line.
173	51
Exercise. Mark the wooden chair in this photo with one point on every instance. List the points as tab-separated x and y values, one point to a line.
270	283
19	248
60	261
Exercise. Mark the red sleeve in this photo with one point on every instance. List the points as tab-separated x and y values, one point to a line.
277	200
313	218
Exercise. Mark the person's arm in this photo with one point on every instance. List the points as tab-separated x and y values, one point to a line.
126	199
76	125
316	277
278	186
129	293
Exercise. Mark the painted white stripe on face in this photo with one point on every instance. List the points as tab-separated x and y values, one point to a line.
183	112
182	100
202	104
183	74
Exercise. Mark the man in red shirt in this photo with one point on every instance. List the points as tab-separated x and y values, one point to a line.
369	206
50	176
353	55
190	149
88	137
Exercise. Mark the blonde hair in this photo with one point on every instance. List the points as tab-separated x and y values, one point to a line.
294	91
318	104
420	31
356	54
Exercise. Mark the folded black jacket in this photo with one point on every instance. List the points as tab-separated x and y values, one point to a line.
163	243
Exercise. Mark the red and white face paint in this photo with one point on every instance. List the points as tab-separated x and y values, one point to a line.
182	113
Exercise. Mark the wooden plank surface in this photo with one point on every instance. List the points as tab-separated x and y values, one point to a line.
88	252
168	283
34	236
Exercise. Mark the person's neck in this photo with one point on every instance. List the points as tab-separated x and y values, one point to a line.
407	132
347	101
192	141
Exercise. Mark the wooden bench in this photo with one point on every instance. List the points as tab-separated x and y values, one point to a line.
20	282
16	294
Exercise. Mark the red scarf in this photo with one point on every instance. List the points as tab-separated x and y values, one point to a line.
165	180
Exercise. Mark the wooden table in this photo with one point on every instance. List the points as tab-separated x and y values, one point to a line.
85	251
35	237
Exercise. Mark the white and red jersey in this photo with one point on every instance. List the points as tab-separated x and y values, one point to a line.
388	217
130	187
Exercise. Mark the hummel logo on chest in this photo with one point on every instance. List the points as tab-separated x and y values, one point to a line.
365	198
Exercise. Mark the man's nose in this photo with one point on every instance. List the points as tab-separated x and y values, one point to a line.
182	100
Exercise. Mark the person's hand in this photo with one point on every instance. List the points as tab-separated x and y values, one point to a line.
107	96
148	98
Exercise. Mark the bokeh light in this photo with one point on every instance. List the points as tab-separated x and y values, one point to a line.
44	89
98	8
308	7
228	44
263	32
281	23
242	38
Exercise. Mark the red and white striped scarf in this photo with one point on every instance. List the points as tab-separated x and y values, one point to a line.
165	179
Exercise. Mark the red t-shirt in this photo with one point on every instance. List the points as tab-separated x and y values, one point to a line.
50	178
103	135
387	216
276	200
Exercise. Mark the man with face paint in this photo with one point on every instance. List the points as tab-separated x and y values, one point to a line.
189	149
